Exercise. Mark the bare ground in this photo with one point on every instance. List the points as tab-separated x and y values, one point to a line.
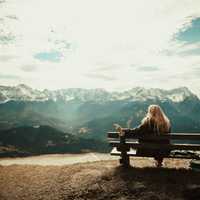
57	159
98	180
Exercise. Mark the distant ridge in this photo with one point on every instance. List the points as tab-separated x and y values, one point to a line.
90	113
23	92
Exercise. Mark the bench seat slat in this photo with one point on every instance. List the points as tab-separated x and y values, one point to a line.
114	152
158	146
174	136
133	152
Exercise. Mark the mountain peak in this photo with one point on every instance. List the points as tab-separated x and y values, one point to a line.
23	86
183	89
23	92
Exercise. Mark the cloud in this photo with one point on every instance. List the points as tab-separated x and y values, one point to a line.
78	46
2	1
103	67
9	76
12	17
29	68
6	58
191	52
147	68
101	76
196	72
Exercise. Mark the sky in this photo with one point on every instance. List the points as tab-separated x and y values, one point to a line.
111	44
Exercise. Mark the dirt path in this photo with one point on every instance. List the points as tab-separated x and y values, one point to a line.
97	180
57	159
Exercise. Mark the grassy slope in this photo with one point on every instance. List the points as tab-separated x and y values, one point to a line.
97	180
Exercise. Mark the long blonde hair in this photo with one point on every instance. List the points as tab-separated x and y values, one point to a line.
156	115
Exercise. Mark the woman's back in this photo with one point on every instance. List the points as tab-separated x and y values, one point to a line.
155	123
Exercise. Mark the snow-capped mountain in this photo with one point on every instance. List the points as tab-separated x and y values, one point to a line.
94	110
25	93
142	94
21	93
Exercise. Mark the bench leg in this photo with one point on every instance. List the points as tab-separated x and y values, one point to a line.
124	160
124	148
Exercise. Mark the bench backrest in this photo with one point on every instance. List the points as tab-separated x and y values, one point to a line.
178	141
171	136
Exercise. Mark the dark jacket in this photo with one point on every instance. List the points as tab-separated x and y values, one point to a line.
149	129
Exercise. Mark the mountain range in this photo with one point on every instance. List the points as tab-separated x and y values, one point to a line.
90	113
23	92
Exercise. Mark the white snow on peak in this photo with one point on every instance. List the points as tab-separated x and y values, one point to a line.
25	93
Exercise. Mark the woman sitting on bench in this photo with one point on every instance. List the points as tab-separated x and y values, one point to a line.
155	122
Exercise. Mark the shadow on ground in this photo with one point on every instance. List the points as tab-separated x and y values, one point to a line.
158	183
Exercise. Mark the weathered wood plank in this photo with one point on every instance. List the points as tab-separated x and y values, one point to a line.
171	136
157	146
133	152
125	161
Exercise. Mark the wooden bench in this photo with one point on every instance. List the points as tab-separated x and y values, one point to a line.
127	145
